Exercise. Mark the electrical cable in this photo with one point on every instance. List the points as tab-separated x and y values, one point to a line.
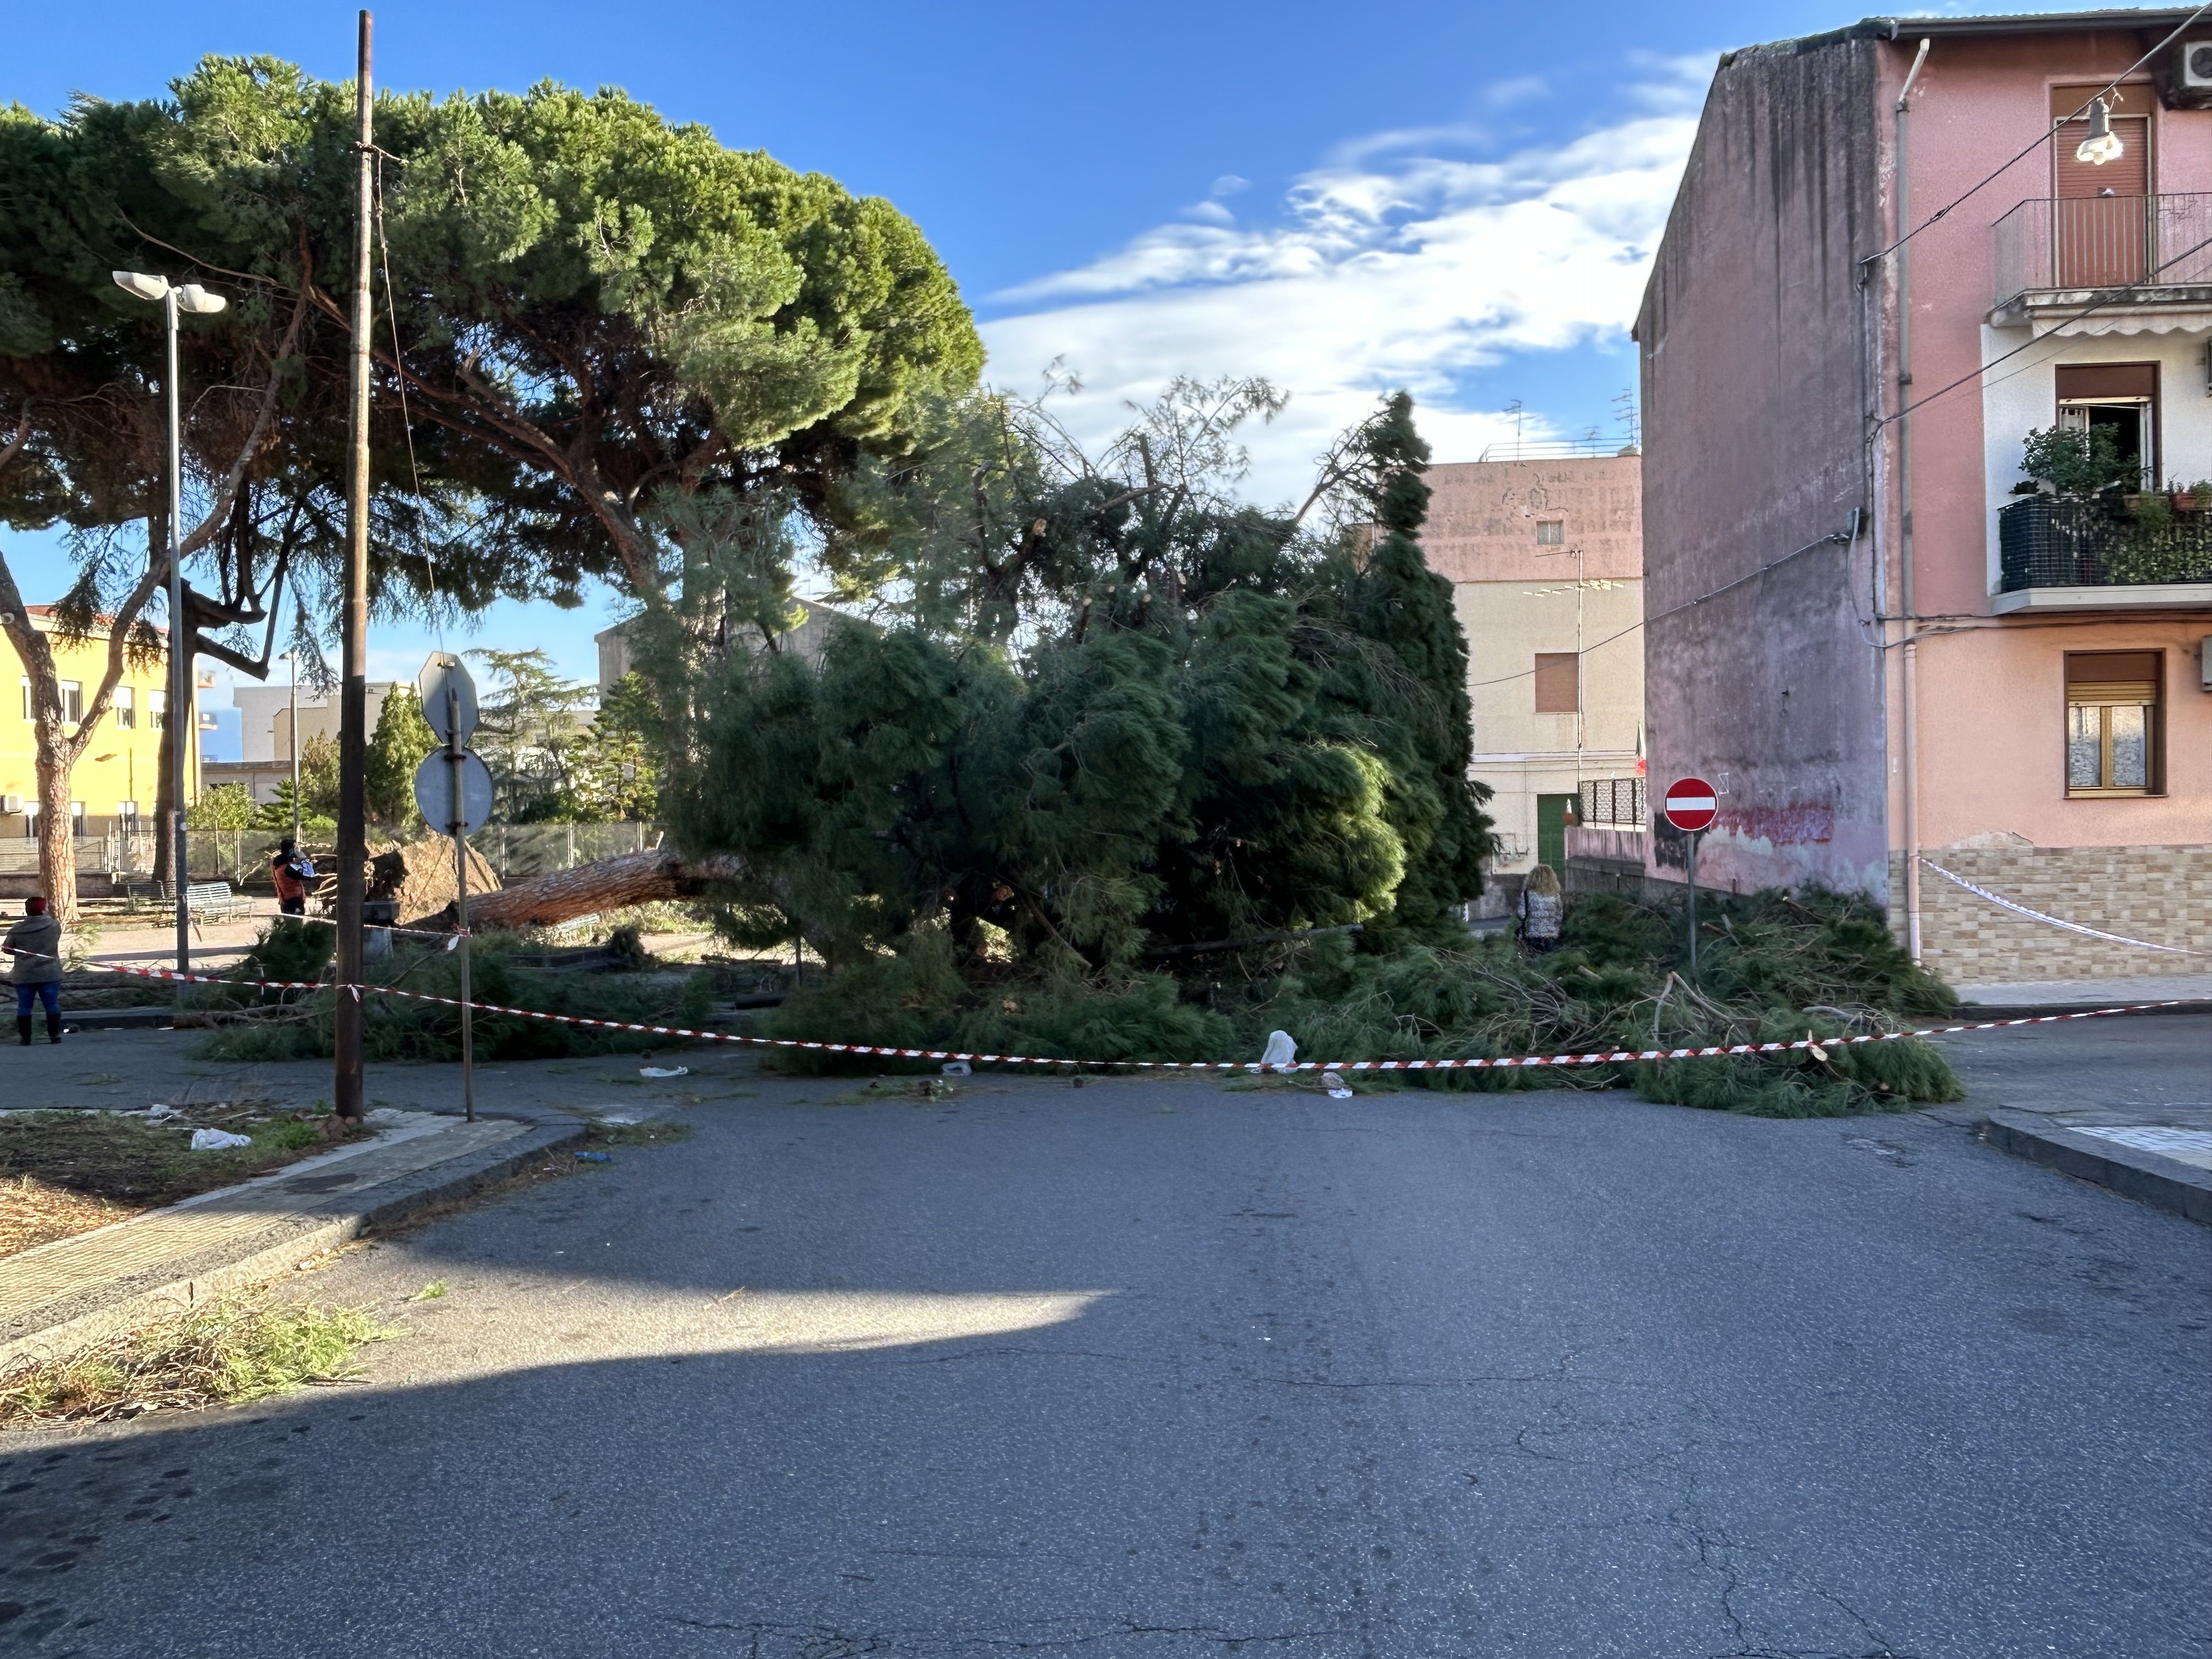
1834	538
406	422
2114	297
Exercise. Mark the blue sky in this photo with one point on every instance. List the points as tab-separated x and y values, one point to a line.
1460	198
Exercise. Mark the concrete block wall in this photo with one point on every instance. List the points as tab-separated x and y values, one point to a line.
2162	894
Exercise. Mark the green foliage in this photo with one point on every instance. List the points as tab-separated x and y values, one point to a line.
399	1028
224	806
918	999
1774	966
241	1348
319	792
531	737
618	773
2079	460
290	950
1109	708
720	319
396	748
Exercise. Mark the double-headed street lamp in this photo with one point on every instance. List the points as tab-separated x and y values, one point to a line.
175	298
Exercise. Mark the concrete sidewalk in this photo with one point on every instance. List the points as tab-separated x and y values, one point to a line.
2051	996
75	1291
61	1296
2125	1103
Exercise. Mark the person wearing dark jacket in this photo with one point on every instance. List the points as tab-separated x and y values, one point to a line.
35	945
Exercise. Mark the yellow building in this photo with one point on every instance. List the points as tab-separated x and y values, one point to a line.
112	787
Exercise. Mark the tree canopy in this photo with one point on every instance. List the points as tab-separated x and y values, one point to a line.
1107	712
584	313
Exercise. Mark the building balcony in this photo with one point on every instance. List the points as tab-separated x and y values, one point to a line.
2063	553
2104	264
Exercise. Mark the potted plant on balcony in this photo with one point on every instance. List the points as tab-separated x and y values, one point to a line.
2076	461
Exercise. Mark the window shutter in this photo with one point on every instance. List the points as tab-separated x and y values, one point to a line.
1558	688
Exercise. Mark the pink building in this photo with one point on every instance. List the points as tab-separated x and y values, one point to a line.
1896	633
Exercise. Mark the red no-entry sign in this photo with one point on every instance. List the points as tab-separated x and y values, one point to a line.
1691	804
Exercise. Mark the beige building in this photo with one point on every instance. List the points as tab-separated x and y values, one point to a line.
1545	558
266	733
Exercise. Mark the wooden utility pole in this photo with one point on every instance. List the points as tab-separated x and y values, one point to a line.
353	693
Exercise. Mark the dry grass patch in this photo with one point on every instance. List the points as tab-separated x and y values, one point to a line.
243	1348
65	1173
34	1212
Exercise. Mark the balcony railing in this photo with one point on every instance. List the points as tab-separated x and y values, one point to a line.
2082	242
2052	541
1611	803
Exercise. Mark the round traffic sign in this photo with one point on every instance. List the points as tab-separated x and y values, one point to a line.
1691	804
435	780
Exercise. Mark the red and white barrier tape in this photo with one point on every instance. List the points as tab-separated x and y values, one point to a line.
1818	1045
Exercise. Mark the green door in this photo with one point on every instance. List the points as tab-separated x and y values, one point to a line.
1554	814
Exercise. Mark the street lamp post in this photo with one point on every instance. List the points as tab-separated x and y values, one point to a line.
175	298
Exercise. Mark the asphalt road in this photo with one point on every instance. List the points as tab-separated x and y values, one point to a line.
1162	1370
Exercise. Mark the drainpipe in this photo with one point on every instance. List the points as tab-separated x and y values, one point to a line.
1912	722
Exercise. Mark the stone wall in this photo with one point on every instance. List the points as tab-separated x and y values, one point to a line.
2162	894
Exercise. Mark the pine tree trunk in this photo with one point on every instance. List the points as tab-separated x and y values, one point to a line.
57	830
165	800
546	901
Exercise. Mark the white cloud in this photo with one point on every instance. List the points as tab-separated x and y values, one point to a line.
1395	263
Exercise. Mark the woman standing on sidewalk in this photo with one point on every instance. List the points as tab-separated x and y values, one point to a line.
36	944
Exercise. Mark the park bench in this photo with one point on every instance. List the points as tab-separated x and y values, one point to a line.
213	900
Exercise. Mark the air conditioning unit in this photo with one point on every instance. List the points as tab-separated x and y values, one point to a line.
11	803
2196	65
2185	76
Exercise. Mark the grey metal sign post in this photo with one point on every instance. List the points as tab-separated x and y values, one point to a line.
452	787
1692	805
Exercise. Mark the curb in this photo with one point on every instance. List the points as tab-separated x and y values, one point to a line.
178	1285
1967	1011
2164	1183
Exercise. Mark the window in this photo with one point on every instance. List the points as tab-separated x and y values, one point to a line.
2121	399
2103	227
126	816
77	820
126	708
1551	532
157	710
72	699
2113	722
1558	683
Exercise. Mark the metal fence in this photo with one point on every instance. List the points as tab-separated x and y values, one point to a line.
514	851
1611	803
2102	242
101	855
2050	541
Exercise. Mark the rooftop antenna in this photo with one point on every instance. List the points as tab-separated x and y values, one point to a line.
1631	423
1519	415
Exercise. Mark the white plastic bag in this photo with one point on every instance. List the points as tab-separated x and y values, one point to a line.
1280	1051
218	1140
958	1068
664	1071
1337	1087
